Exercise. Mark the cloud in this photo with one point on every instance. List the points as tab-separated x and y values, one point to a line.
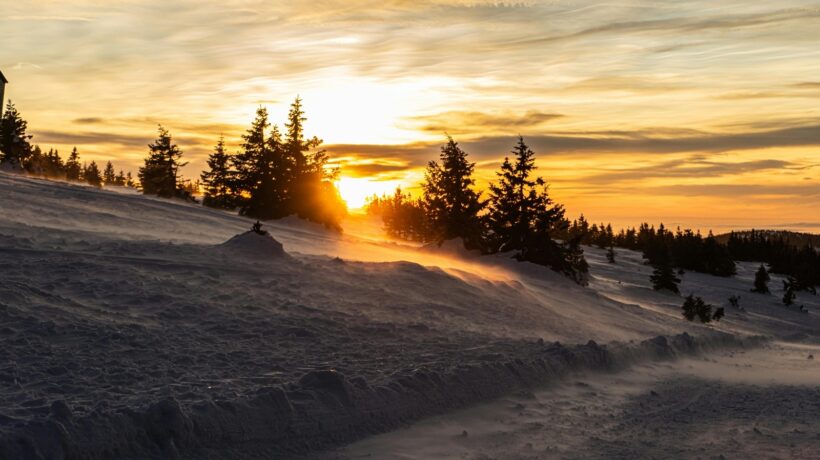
88	121
695	167
463	122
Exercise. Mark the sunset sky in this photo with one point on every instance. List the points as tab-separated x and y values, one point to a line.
702	114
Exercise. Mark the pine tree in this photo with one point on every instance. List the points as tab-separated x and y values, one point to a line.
610	254
789	295
73	169
120	179
15	148
695	307
451	203
92	175
160	174
515	201
761	280
663	277
109	176
312	194
129	180
220	180
260	172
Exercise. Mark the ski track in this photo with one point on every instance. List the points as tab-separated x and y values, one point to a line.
110	302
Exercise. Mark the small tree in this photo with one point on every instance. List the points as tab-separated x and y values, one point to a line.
451	203
109	176
695	307
663	277
789	295
610	255
220	179
92	175
15	148
160	174
73	168
761	280
734	301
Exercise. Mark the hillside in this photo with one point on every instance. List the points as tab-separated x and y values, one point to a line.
796	239
139	327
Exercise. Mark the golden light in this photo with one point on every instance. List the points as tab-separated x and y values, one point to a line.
356	190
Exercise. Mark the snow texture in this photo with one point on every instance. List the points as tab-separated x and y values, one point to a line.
134	327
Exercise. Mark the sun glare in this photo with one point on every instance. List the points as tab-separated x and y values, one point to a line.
356	190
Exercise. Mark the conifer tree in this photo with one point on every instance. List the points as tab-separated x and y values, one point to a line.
109	176
310	189
92	176
515	201
120	179
15	148
260	172
789	295
220	180
761	280
129	180
695	307
663	276
610	254
160	174
73	168
451	203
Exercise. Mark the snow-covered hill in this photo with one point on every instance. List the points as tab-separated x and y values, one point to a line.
129	327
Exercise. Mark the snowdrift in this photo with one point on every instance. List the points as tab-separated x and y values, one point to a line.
136	327
325	408
253	244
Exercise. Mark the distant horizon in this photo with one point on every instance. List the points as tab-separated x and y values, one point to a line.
691	114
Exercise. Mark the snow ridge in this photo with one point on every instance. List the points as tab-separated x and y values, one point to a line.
324	408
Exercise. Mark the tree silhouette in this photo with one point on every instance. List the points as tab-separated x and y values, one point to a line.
220	180
160	174
451	204
15	148
109	176
610	255
516	201
312	194
695	307
92	176
663	276
73	169
761	280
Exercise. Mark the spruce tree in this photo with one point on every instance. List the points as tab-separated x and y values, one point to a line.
109	176
761	280
610	254
160	174
92	176
515	201
220	180
789	295
663	276
15	148
695	307
73	168
451	203
260	173
311	192
120	179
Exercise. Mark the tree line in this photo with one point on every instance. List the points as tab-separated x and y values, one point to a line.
18	153
518	217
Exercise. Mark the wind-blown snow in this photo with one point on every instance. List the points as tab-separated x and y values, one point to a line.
114	304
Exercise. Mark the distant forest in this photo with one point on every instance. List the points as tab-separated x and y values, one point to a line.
280	173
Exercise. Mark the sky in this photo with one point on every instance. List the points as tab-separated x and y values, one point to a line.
699	114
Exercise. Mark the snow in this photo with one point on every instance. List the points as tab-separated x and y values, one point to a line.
135	326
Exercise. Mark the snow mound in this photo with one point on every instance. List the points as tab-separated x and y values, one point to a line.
253	244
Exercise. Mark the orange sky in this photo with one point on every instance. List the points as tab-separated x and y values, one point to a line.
694	113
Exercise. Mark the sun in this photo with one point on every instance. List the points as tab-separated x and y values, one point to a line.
356	190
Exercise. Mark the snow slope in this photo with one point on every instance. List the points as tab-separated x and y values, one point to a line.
133	313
